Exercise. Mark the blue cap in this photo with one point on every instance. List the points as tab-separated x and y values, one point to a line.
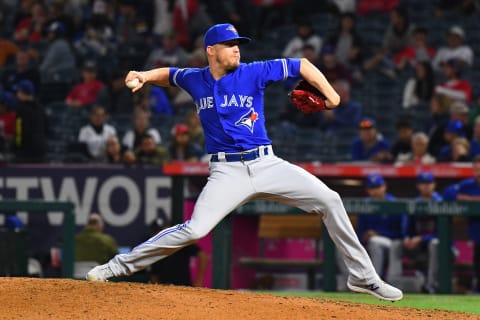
367	123
13	222
222	33
425	177
374	181
25	86
455	126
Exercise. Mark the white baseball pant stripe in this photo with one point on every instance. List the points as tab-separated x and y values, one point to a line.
230	185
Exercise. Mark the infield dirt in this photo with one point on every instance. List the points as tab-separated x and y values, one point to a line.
30	298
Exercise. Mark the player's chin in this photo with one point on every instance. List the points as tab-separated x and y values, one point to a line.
233	65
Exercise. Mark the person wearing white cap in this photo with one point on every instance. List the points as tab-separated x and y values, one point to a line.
455	49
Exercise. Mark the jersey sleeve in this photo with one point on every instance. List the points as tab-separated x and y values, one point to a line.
277	70
176	76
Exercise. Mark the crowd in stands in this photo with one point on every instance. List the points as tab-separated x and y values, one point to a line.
62	62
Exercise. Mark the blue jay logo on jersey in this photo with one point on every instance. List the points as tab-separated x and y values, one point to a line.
248	119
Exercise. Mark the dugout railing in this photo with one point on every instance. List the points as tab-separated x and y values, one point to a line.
43	207
222	234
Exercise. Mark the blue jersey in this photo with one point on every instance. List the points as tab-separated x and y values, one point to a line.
393	226
231	108
424	226
359	152
469	187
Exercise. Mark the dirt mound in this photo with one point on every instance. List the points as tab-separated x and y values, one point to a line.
28	298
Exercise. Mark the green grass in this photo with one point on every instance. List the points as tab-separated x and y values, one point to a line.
460	303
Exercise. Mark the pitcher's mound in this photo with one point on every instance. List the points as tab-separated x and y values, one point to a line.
29	298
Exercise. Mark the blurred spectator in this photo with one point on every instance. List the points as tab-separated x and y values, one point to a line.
469	190
376	6
7	120
114	150
94	135
195	130
457	151
23	69
181	148
475	104
115	96
457	119
419	88
417	52
31	27
344	6
141	126
399	31
305	35
455	49
331	68
420	245
370	145
162	18
175	269
475	141
453	130
57	12
378	232
59	61
190	19
92	244
31	125
150	153
169	54
85	93
98	38
265	15
397	37
461	150
8	49
419	153
455	7
133	23
348	44
404	138
347	115
454	88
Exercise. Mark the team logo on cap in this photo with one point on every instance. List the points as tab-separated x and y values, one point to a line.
248	119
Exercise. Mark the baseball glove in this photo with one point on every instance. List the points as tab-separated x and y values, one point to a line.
307	98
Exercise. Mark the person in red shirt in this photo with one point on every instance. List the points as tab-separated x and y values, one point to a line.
454	88
419	51
86	92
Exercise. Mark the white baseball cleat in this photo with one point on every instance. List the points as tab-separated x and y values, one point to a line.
379	289
100	273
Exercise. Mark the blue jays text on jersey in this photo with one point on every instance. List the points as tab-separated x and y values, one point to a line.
231	108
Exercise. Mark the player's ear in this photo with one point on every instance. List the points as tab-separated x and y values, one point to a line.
209	50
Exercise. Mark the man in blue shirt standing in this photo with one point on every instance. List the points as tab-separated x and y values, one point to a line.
229	100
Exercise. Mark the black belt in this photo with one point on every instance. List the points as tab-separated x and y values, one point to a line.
241	156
